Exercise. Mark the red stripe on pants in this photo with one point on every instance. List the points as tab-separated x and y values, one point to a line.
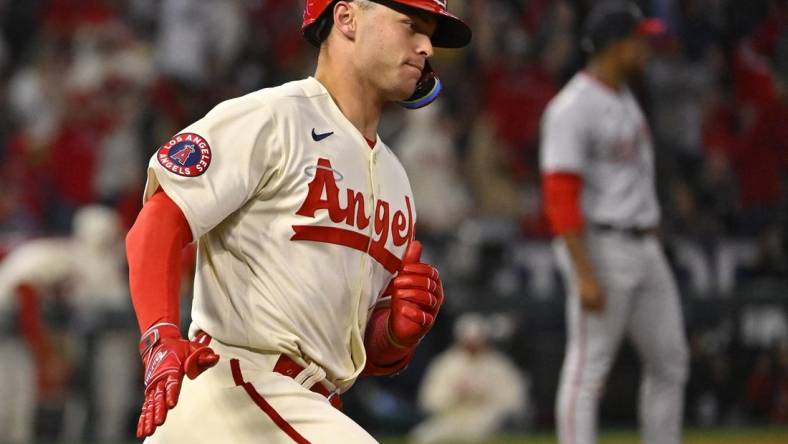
581	355
264	405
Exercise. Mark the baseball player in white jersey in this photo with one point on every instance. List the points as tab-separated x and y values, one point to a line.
470	390
598	172
88	268
307	271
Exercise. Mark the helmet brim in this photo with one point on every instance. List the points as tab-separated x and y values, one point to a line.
451	31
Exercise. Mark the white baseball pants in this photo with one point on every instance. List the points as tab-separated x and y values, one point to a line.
18	391
242	401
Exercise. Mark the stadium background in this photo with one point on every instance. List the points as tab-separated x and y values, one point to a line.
89	88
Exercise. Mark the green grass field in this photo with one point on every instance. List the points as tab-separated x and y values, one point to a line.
772	435
748	435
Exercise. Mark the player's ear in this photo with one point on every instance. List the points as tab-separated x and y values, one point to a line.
345	18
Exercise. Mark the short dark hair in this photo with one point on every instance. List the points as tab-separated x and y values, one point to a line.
319	31
609	22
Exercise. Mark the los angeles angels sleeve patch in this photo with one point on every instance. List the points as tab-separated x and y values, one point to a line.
186	154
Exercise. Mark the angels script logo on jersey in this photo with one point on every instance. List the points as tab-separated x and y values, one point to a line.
324	195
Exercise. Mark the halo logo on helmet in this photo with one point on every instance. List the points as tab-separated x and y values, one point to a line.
450	32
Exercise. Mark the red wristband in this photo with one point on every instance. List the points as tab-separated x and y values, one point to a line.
384	357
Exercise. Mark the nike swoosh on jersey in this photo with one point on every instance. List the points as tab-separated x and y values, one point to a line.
318	137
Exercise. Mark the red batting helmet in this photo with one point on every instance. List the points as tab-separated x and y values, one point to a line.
450	33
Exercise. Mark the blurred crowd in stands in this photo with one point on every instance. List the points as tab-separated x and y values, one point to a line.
89	88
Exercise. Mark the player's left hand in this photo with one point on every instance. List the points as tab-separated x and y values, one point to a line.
167	357
416	296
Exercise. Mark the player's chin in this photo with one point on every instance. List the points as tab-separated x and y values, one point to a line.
405	89
411	75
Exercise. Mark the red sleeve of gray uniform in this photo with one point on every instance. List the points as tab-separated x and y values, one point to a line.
561	194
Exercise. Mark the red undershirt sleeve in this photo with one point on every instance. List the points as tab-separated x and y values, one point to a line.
30	325
562	201
383	356
153	247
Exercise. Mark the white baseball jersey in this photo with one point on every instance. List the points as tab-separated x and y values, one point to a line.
602	135
300	224
95	282
94	278
457	393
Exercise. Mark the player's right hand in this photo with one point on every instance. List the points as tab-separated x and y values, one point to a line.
591	296
416	296
167	357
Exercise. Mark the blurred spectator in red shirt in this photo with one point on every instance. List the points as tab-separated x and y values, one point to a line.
759	390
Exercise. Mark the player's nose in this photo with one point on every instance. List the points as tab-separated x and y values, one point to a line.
425	47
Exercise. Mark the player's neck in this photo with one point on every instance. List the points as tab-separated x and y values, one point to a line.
607	73
354	98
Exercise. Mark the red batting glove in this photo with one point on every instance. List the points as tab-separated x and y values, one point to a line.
416	296
167	357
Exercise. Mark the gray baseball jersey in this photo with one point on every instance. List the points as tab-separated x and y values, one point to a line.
602	135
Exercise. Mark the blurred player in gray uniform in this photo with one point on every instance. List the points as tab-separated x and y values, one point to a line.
598	171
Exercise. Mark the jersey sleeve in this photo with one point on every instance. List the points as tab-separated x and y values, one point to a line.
563	139
214	166
561	195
